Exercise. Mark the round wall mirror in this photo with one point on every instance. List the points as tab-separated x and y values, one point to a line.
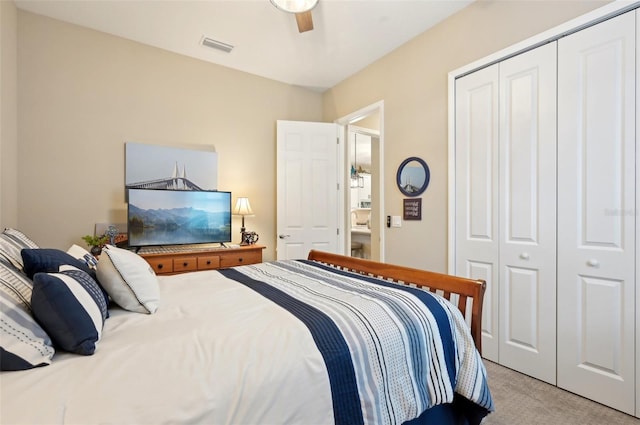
413	176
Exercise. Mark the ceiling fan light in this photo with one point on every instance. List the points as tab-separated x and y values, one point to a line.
295	6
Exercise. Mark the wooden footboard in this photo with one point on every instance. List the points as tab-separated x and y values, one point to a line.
446	285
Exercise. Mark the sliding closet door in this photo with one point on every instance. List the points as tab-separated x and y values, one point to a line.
476	198
596	223
528	213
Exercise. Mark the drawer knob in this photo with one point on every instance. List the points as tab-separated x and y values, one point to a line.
185	264
240	259
159	266
208	262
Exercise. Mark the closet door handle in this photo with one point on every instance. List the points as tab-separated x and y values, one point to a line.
592	262
524	256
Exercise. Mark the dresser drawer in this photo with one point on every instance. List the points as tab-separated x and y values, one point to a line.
161	265
240	258
208	262
185	264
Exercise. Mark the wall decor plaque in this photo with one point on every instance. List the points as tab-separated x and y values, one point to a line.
412	209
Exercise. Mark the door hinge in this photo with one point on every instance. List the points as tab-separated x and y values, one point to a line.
338	231
338	186
337	140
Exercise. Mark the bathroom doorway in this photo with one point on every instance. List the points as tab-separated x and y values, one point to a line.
364	196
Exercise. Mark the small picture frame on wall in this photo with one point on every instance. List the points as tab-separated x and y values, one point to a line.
412	209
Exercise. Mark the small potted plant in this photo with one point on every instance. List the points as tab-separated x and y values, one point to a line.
96	243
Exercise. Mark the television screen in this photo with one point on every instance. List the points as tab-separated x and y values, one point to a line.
178	217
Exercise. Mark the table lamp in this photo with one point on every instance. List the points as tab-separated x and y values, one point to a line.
242	208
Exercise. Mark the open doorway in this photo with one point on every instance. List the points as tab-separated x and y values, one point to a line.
364	167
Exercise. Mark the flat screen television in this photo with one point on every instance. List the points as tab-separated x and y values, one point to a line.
178	217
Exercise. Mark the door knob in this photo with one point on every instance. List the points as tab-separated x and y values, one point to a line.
593	263
524	256
281	236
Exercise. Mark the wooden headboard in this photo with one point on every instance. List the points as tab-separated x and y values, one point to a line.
443	284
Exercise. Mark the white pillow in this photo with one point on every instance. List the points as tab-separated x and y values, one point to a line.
128	279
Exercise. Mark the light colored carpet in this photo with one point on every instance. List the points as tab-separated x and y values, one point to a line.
520	399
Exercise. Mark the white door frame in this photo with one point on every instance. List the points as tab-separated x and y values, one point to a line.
377	107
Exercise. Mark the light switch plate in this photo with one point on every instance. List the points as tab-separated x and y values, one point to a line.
396	221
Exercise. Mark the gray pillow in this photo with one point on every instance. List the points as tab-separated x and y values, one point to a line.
13	241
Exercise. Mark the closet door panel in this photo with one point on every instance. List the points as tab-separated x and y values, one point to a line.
527	213
596	232
476	195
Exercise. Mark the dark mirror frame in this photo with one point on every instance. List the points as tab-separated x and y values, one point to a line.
427	176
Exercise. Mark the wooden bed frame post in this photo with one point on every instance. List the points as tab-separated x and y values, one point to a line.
443	284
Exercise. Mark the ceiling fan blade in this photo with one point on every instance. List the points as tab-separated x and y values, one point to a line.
304	21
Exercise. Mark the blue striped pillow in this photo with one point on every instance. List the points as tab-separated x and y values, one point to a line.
83	255
47	260
23	342
70	307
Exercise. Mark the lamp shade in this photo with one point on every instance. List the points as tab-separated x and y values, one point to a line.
295	6
242	207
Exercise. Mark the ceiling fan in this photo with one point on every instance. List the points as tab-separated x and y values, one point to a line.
302	10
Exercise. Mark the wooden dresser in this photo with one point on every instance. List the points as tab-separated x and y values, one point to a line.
203	259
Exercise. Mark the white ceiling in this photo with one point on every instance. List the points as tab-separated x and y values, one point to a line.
348	36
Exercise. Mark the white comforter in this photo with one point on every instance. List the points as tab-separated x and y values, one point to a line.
198	359
238	350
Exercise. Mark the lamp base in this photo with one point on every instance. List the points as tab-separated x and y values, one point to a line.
249	238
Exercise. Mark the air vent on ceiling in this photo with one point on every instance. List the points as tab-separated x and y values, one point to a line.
215	44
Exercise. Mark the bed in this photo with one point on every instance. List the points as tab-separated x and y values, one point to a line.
311	341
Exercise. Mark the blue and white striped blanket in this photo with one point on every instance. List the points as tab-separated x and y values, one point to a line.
391	351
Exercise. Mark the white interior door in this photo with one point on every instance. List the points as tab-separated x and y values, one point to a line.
476	197
596	226
527	318
307	188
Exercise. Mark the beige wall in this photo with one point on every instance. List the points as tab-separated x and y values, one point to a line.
82	94
8	115
372	121
412	81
